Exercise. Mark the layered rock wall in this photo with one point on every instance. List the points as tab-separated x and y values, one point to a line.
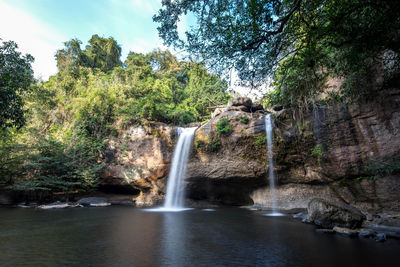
339	152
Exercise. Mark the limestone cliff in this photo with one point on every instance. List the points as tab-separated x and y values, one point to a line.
340	152
139	161
333	150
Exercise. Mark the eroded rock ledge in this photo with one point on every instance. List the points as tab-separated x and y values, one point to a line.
333	150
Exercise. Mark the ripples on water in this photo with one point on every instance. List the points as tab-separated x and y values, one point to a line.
124	236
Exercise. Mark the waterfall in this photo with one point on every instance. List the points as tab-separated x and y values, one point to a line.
175	185
271	174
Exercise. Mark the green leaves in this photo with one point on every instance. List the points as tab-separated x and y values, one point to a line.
298	43
224	127
71	116
101	53
16	75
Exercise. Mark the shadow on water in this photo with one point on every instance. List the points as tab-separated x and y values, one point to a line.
123	236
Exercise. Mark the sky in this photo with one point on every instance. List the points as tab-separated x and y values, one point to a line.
40	27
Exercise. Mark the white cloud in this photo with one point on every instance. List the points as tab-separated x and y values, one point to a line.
33	37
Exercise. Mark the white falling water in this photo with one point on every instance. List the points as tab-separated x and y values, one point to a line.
175	184
271	174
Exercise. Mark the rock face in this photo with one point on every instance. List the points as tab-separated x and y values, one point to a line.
329	215
342	153
139	161
225	167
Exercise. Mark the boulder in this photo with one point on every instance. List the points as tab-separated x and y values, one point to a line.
381	237
300	215
329	215
256	107
241	101
366	233
94	202
325	231
55	205
217	111
345	231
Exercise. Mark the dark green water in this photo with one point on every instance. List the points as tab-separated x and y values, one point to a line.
124	236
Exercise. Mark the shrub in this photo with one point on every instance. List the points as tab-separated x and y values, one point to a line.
214	145
244	120
259	142
224	127
317	152
383	168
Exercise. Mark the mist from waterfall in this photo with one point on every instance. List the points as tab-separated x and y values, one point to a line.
271	173
175	185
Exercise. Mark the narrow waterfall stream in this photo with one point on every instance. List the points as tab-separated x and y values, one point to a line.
175	186
271	173
175	194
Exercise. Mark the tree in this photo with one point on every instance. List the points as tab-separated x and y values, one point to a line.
71	56
255	37
16	75
103	53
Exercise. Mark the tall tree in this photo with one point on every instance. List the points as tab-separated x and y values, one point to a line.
256	36
71	56
16	75
103	53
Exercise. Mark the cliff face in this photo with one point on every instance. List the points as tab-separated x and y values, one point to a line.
335	151
139	161
340	152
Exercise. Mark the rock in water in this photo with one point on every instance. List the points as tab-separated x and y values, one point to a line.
328	215
94	202
54	205
345	231
381	237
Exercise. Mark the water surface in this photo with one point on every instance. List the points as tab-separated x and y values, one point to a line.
125	236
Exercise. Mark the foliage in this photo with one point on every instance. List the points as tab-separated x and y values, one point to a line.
244	120
317	152
214	145
299	43
101	53
383	168
259	142
71	117
224	127
16	75
12	155
55	167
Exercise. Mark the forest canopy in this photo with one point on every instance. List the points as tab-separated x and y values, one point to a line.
297	43
58	144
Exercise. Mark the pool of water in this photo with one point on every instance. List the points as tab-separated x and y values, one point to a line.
125	236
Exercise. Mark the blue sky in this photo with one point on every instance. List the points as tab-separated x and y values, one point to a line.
41	26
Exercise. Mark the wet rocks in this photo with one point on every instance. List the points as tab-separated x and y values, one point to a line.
345	231
329	215
300	215
55	205
381	237
94	202
325	231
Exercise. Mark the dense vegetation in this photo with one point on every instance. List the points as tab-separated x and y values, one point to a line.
71	117
298	43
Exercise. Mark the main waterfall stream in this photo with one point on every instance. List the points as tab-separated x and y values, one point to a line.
175	194
271	174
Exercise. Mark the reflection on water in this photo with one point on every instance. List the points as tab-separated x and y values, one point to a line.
124	236
173	242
